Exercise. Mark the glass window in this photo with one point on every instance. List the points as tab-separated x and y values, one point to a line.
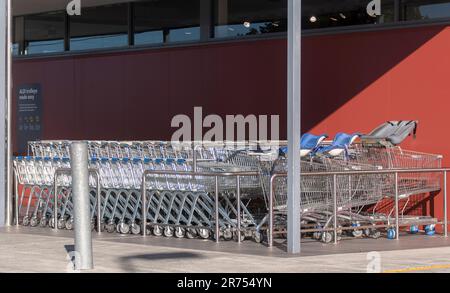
99	27
160	21
325	13
43	33
418	10
249	17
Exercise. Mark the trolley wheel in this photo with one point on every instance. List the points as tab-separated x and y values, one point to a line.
327	237
258	236
430	230
69	224
34	222
357	233
43	222
169	231
235	236
123	228
180	232
191	233
157	230
51	223
102	227
391	234
317	235
61	223
93	226
227	235
110	227
135	229
375	234
414	229
25	221
204	233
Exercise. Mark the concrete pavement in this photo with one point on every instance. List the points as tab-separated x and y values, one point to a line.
21	251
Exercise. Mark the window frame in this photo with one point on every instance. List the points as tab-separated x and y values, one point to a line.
207	32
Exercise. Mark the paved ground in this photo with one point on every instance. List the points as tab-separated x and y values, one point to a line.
35	250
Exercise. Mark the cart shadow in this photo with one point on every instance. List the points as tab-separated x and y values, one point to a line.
128	262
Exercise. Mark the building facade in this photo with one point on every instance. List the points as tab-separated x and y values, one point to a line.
123	69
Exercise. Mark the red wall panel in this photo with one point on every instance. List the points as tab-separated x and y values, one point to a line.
351	82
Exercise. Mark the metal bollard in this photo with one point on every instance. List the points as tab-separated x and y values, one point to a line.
80	183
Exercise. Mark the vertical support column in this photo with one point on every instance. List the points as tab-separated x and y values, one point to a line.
397	214
445	206
216	209
144	206
238	198
9	152
81	201
335	208
271	215
6	190
294	129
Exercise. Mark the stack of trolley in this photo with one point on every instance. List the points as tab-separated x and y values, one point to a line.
177	205
361	199
182	205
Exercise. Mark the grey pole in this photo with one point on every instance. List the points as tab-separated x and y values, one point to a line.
216	204
238	199
294	129
9	152
445	206
80	185
397	213
5	110
335	220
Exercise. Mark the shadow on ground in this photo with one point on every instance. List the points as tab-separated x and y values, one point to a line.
128	262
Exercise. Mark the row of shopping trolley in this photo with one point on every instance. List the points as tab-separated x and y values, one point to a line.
181	204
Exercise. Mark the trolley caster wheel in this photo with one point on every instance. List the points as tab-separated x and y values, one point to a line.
102	227
317	235
135	229
26	221
430	230
191	233
180	232
327	237
357	233
168	231
235	236
51	223
414	229
227	235
93	226
391	234
61	224
34	222
69	224
204	233
123	228
375	234
110	228
258	237
157	231
43	222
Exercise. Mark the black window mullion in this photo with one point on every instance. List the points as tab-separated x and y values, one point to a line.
206	20
131	24
397	11
67	32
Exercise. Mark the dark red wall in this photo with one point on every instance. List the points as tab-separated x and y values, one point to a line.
351	82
